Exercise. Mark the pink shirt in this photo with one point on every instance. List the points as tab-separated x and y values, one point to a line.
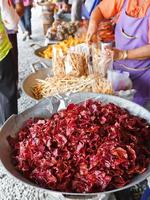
27	2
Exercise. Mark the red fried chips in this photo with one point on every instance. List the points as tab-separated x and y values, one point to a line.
90	147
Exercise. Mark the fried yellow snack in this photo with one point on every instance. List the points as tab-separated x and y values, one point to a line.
64	45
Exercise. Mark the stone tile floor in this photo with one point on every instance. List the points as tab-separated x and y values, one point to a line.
26	55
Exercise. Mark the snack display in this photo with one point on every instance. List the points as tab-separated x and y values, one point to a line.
61	30
64	45
87	147
102	61
72	73
102	85
47	53
61	84
76	64
58	61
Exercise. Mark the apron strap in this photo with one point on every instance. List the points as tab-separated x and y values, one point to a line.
125	4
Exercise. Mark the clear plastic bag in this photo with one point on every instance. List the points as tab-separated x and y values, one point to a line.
126	94
101	62
119	80
76	61
101	85
76	64
58	61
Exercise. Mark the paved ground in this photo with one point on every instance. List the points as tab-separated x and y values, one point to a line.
26	54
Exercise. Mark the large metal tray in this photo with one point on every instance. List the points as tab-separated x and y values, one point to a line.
30	81
46	108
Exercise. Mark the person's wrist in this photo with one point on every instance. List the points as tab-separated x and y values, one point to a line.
91	34
124	54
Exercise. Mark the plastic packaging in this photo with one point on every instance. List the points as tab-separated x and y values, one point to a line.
105	31
119	80
102	61
76	61
81	32
58	61
104	45
126	94
76	64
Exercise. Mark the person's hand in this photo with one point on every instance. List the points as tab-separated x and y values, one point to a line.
91	33
117	53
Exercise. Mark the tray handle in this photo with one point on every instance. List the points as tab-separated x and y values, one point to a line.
83	197
8	122
40	64
33	46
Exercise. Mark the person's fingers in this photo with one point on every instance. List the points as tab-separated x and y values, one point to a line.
109	48
94	38
91	37
88	37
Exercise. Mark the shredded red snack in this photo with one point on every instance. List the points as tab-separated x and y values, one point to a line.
89	147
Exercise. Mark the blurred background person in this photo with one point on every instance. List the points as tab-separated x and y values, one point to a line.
8	87
82	9
12	34
64	9
76	10
47	15
25	22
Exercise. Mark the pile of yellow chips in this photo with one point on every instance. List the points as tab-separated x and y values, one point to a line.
64	46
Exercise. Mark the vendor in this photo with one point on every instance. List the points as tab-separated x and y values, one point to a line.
12	34
132	40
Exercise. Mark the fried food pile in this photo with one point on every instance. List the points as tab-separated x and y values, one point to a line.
64	45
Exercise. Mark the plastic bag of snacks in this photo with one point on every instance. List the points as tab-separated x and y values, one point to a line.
121	84
101	60
58	61
76	61
120	80
126	94
61	30
101	85
75	64
82	30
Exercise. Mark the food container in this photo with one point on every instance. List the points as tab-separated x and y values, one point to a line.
39	53
30	81
119	80
45	109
